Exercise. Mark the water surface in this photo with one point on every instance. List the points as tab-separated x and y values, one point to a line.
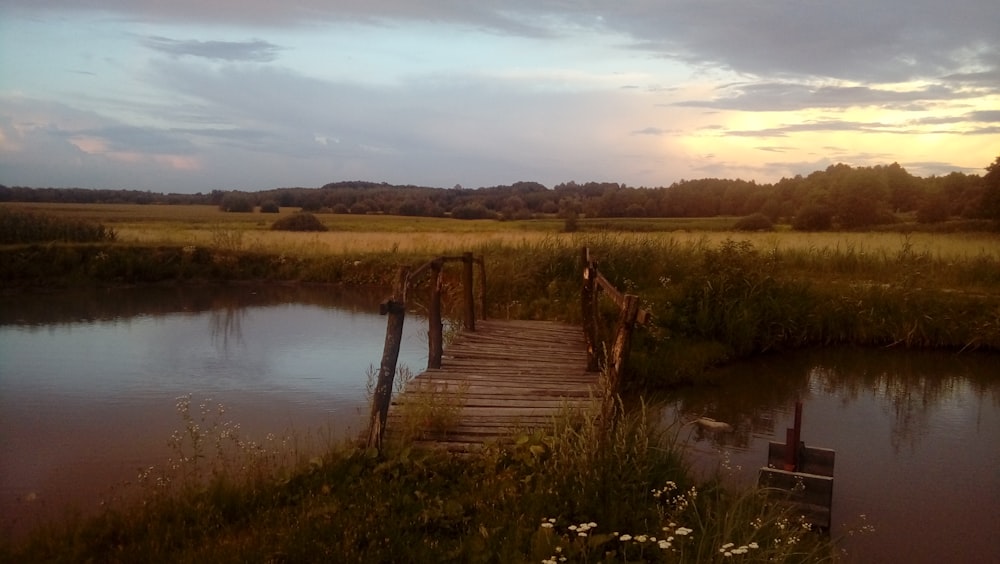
89	381
916	435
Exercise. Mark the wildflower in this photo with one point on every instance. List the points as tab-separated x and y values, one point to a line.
664	544
547	525
726	547
641	538
683	531
626	537
753	545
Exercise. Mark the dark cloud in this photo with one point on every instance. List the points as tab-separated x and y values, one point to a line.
882	42
255	50
986	116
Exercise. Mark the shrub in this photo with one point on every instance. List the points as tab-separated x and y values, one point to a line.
472	211
754	222
27	227
302	221
236	202
269	206
813	217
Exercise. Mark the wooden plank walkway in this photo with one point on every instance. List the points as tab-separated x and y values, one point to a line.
504	376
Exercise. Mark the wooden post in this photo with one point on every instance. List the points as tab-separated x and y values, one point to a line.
395	308
435	343
798	435
470	303
619	353
793	441
482	287
789	464
589	310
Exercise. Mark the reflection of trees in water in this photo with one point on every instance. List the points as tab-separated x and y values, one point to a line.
910	386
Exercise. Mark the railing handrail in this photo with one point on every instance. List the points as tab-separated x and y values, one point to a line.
395	309
629	315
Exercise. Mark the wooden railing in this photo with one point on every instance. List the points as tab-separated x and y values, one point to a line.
629	315
395	309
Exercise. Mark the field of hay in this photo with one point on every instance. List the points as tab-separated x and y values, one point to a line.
208	226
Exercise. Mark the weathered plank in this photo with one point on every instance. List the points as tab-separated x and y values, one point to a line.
504	376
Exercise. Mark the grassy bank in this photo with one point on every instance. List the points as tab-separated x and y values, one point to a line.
575	493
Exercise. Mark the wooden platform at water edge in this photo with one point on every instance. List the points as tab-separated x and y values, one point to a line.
503	377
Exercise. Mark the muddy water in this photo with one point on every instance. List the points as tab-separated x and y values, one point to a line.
916	435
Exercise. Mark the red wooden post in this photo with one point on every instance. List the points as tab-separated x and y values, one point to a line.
793	438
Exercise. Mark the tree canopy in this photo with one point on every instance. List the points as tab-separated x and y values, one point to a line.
841	196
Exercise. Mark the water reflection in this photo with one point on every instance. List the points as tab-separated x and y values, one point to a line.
915	435
912	388
227	322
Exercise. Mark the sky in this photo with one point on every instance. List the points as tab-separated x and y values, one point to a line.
199	95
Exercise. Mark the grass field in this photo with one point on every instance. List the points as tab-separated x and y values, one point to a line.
207	225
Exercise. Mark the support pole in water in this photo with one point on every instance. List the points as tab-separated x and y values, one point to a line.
793	440
395	309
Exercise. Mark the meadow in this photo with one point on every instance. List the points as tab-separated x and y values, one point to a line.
207	225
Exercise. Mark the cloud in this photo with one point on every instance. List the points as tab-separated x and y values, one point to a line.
790	96
255	50
650	131
885	41
823	125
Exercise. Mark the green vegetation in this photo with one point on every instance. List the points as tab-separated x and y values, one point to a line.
25	227
574	492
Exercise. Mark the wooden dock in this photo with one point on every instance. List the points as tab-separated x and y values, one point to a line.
503	377
498	377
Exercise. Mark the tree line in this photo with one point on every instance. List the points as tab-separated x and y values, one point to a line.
841	196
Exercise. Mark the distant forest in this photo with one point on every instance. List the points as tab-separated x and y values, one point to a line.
840	197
